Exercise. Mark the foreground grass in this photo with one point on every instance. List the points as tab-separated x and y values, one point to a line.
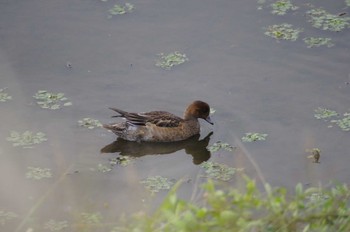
311	209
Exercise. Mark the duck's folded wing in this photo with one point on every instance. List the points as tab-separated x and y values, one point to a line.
162	118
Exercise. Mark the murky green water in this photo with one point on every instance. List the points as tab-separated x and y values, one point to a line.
254	83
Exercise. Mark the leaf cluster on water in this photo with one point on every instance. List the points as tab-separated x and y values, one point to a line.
53	101
318	41
252	137
4	96
37	173
283	31
53	225
282	6
327	115
120	9
89	123
26	139
220	145
320	18
156	183
167	61
218	171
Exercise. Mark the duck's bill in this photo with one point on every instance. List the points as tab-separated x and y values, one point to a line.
208	119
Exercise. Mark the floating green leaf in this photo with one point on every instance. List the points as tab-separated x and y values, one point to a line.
219	171
220	145
281	7
121	160
26	139
343	123
251	137
323	113
156	183
37	173
91	218
53	225
320	18
120	10
53	101
167	61
6	216
318	41
4	96
103	168
283	31
89	123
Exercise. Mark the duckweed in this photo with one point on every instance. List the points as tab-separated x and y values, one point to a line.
318	41
121	160
6	216
282	7
283	31
320	18
167	61
323	113
91	218
89	123
37	173
26	139
53	225
4	96
53	101
120	10
252	137
343	123
218	171
156	183
220	145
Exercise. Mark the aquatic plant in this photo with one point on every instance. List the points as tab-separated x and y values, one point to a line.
283	31
103	168
6	216
320	18
53	225
323	113
156	183
252	137
220	145
4	96
315	154
120	10
318	41
37	173
343	123
26	139
89	123
218	171
121	160
91	218
282	6
167	61
53	101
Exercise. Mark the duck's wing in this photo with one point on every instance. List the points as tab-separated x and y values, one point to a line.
159	118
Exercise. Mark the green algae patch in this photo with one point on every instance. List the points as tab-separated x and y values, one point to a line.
343	123
37	173
52	101
89	123
321	19
156	183
26	139
318	42
167	61
324	113
218	171
282	7
252	137
120	9
4	96
220	145
283	31
53	225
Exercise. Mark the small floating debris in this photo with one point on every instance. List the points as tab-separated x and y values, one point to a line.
315	154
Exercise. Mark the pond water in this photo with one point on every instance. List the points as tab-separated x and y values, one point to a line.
255	84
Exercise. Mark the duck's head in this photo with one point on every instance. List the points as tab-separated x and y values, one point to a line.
198	109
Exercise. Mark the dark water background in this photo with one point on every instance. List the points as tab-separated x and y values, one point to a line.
254	83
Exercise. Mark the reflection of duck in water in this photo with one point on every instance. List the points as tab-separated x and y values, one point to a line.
160	126
193	146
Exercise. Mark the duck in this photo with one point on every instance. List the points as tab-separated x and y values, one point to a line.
160	126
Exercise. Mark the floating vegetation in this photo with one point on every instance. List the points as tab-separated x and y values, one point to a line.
6	216
318	41
26	139
220	145
212	110
38	173
103	168
315	154
121	160
323	113
120	10
283	31
252	137
156	183
320	18
167	61
91	218
219	171
281	7
260	4
53	101
89	123
347	2
53	225
318	196
4	96
343	123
